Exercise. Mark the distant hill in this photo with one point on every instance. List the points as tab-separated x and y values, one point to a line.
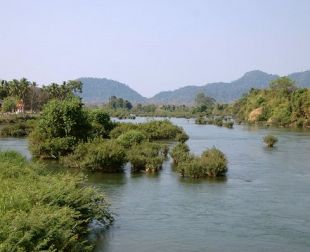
99	90
226	92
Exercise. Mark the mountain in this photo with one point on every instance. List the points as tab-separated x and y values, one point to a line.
221	91
99	90
227	92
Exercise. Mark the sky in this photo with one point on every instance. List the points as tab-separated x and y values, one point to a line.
152	45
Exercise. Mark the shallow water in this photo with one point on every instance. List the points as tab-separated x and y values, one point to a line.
262	205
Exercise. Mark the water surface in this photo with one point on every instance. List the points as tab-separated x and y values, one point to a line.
262	205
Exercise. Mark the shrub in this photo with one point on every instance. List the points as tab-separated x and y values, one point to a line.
214	162
97	155
162	130
61	126
218	122
270	140
211	163
146	156
122	128
130	138
101	124
201	120
18	129
153	130
40	211
9	104
181	137
179	153
228	125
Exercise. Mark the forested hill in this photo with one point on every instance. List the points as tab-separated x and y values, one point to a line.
99	90
227	92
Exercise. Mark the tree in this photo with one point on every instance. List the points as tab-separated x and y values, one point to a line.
61	126
283	84
204	102
66	90
19	88
4	89
9	104
119	103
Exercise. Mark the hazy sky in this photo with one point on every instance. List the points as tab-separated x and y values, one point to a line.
152	45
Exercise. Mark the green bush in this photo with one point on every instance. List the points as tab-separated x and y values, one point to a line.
162	130
61	126
40	211
18	129
97	155
101	124
9	104
229	124
153	130
270	140
130	138
121	128
179	153
212	163
146	156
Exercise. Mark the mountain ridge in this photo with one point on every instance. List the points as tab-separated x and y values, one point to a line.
221	91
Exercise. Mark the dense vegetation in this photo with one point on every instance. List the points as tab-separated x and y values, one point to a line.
21	129
60	127
212	162
33	96
40	211
88	140
282	104
97	155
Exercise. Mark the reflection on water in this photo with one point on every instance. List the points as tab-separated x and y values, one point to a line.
262	205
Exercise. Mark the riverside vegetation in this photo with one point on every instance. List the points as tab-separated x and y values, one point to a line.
44	211
89	140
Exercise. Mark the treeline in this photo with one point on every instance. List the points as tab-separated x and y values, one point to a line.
282	104
32	96
204	105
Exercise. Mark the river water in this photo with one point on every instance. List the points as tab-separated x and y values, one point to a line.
263	204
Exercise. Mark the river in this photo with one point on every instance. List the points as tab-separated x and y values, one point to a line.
262	204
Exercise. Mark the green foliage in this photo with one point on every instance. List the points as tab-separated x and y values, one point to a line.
204	103
9	104
97	155
130	138
179	153
281	105
270	140
119	103
153	130
63	91
18	129
211	163
214	162
101	124
146	156
40	211
162	130
61	125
